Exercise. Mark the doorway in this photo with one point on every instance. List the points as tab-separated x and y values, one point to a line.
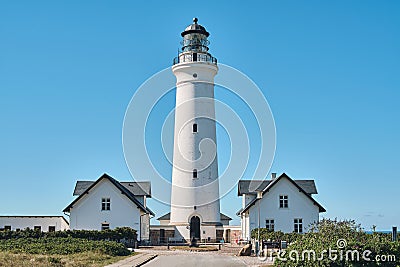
162	236
195	227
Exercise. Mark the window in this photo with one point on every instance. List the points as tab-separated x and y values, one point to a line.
105	226
37	228
52	228
270	224
7	227
283	201
105	204
194	173
195	127
298	225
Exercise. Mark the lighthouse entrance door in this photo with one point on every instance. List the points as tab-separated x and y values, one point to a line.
195	227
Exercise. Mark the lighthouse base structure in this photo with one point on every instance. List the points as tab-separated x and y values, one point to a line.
165	233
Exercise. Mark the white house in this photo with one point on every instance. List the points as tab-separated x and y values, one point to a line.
41	223
280	204
107	204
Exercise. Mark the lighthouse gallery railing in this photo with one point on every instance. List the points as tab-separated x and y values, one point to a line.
194	57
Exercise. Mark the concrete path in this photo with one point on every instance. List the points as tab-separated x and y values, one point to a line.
203	259
171	258
134	261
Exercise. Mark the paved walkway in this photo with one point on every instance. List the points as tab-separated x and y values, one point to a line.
160	256
201	259
134	261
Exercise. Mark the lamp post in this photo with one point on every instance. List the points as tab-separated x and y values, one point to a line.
259	197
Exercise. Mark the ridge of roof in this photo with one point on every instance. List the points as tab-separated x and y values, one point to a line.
142	188
252	186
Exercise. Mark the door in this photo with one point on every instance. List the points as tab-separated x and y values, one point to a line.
195	227
162	236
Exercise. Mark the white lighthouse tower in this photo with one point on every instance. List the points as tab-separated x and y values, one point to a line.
195	207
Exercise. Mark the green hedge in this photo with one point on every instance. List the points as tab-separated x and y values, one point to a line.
116	234
62	246
266	234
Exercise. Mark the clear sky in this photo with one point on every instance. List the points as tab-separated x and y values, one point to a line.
330	71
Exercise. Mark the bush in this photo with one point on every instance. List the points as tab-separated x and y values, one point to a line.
324	236
266	234
62	246
117	234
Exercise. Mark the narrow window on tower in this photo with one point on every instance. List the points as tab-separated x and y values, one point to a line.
195	127
194	173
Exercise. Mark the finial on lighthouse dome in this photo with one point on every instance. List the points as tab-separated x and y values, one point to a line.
195	28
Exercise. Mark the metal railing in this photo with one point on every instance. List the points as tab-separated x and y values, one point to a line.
194	57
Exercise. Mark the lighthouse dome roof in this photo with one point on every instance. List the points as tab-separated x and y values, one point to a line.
195	28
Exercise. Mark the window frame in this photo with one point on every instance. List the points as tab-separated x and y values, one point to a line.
270	224
52	228
7	227
283	201
105	226
298	225
105	204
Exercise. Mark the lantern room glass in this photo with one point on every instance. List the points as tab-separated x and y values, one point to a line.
195	42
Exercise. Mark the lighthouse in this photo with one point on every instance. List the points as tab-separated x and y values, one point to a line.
195	206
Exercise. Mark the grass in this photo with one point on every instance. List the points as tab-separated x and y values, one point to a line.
199	249
84	259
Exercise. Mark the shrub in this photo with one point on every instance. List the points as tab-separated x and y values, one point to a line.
266	234
62	246
117	234
324	236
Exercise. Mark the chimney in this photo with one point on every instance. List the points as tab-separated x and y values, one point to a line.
273	175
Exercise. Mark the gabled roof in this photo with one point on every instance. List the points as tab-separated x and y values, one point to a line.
136	188
274	182
224	217
117	184
252	186
167	217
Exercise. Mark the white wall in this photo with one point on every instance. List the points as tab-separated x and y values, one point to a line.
22	222
246	199
300	206
87	214
195	104
245	226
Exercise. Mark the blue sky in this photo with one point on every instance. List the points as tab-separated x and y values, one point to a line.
329	70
